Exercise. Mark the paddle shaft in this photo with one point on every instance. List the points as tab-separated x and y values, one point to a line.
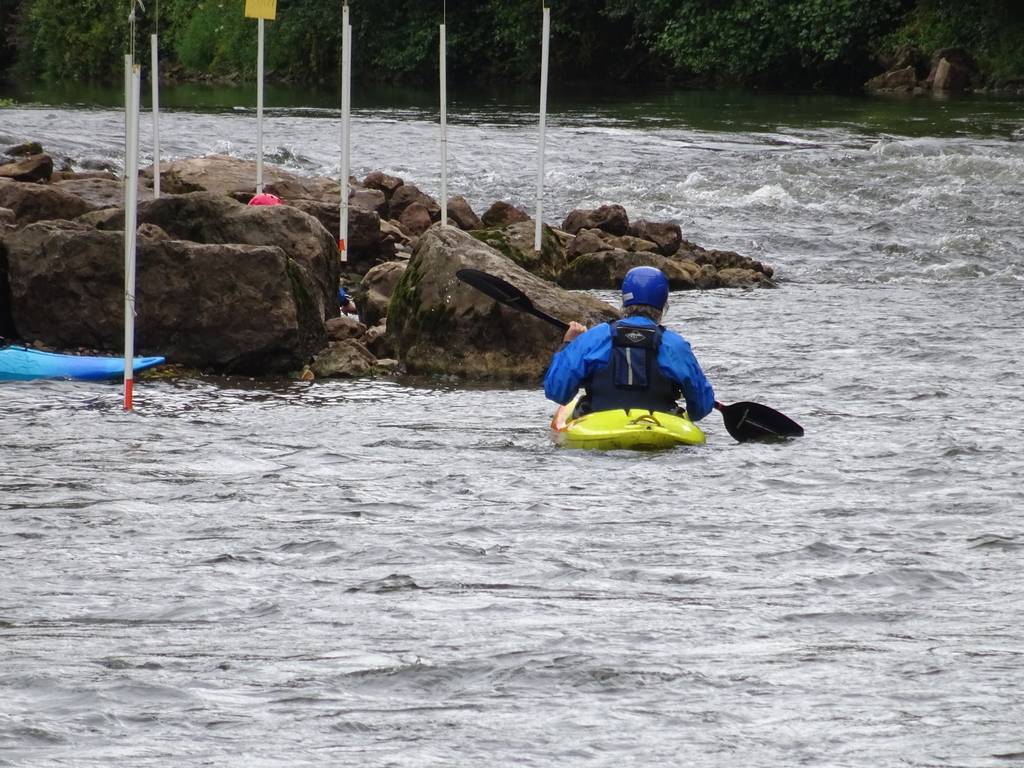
563	327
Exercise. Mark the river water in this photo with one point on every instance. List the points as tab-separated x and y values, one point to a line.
407	573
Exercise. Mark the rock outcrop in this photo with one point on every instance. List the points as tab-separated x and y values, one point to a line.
442	326
229	308
207	217
227	287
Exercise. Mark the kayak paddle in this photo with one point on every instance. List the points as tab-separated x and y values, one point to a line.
744	421
506	293
753	421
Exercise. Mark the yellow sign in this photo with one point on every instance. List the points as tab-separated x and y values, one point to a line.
261	9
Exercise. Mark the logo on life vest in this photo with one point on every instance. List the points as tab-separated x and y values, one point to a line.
634	336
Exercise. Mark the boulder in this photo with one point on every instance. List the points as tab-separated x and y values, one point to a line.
205	217
667	236
24	149
516	240
406	195
415	218
372	200
392	232
633	244
378	341
587	241
375	290
606	270
38	202
902	80
719	259
501	214
734	277
611	218
345	359
32	168
948	77
442	326
344	327
953	70
227	308
100	192
383	182
365	243
237	178
462	214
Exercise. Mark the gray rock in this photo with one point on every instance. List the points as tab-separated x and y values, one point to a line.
227	308
502	213
611	218
376	288
442	326
31	168
38	202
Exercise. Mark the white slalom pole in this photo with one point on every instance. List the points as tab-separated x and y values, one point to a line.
131	193
127	110
259	108
543	115
346	129
155	76
444	128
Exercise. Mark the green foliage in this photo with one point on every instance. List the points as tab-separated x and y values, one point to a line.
783	42
75	39
217	39
748	40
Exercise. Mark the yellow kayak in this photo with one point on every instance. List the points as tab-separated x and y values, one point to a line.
635	428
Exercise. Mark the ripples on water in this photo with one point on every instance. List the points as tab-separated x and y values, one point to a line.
409	573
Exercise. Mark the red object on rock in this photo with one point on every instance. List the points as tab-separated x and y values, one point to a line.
265	198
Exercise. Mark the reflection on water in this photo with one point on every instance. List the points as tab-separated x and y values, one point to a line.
717	111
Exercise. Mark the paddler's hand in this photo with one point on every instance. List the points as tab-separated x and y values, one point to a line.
575	329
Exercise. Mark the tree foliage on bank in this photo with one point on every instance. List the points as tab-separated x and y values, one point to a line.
776	42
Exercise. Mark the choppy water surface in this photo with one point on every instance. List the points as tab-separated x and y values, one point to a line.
393	573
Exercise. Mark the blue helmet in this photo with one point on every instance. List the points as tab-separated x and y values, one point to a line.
645	285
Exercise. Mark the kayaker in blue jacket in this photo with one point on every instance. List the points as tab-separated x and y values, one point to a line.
633	362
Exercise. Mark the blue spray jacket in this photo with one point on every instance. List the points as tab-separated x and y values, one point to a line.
574	365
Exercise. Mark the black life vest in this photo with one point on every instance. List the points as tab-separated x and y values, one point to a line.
632	378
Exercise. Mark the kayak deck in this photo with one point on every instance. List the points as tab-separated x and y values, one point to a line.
26	364
636	428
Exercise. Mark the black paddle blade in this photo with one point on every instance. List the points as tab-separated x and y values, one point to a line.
752	421
493	286
505	293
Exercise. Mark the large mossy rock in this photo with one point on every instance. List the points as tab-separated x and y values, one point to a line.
442	326
226	308
515	241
